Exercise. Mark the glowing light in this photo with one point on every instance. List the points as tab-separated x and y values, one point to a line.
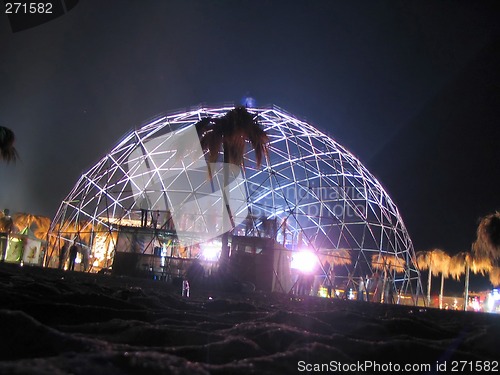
351	294
304	261
248	102
492	300
495	295
475	304
211	250
323	292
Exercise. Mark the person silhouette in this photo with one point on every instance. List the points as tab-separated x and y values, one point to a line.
73	252
6	224
361	289
62	256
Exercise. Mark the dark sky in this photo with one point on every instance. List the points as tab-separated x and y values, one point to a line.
410	87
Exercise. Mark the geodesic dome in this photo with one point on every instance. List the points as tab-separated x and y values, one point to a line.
313	191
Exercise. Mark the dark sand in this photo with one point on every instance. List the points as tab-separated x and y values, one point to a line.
56	322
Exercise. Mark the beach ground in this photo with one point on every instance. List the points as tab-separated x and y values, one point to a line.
60	322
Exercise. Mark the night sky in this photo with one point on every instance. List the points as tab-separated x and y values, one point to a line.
412	88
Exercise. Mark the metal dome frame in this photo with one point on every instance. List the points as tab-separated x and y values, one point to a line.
318	193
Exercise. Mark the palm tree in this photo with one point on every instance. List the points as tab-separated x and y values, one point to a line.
463	263
230	134
487	244
494	275
486	247
459	265
445	273
7	149
437	262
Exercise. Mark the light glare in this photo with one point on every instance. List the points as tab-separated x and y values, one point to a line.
304	261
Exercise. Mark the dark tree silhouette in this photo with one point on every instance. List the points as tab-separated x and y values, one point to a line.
487	243
230	135
7	149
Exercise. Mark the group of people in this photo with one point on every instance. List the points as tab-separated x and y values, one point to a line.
304	284
375	289
156	221
73	254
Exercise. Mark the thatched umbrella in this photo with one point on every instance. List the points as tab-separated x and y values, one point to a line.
437	262
444	268
463	263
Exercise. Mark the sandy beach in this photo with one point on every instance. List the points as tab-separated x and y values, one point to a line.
60	322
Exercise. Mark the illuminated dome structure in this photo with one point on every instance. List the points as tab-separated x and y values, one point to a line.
309	193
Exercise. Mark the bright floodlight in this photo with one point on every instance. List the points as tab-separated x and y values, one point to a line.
211	250
304	261
313	191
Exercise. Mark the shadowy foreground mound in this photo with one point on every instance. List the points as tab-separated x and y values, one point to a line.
55	322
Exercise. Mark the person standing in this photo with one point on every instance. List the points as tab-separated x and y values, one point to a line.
361	289
185	288
85	258
368	286
73	252
6	224
62	256
155	218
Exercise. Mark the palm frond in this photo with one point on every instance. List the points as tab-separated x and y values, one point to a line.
494	275
229	135
458	264
441	262
423	260
487	244
7	150
481	265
